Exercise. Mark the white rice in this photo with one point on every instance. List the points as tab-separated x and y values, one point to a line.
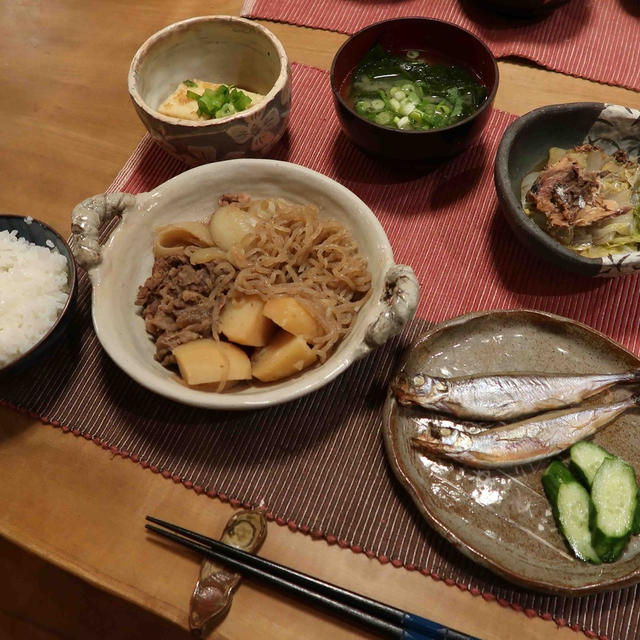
33	291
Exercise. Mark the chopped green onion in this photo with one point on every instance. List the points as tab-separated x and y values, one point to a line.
406	108
362	106
239	99
227	109
384	117
190	83
390	89
415	116
219	102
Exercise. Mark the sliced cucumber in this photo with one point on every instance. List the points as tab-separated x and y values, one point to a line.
615	497
572	509
585	459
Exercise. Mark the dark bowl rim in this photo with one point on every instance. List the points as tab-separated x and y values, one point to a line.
73	278
485	105
514	205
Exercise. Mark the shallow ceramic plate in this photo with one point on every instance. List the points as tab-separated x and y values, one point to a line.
501	518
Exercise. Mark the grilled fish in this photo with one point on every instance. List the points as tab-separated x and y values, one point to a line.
523	441
502	396
440	422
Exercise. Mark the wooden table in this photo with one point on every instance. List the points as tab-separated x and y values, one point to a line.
75	559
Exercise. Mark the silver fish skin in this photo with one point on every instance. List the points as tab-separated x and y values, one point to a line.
523	441
441	422
503	397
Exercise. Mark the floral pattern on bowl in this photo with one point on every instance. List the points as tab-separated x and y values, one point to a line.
209	48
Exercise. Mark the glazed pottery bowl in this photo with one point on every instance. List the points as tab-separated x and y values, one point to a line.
448	42
43	235
221	49
119	267
524	148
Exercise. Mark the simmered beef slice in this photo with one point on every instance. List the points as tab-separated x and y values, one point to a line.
176	303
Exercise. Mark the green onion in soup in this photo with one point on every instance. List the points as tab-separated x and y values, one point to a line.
408	92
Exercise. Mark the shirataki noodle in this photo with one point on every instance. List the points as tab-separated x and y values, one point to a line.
296	253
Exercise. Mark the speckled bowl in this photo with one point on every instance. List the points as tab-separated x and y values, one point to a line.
501	518
524	148
221	49
43	235
124	263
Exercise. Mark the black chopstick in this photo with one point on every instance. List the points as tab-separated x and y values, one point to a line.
376	616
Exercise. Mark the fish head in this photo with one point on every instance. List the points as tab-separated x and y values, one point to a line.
442	440
416	387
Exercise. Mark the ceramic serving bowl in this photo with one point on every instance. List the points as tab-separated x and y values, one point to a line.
446	41
222	49
119	267
524	148
42	235
501	518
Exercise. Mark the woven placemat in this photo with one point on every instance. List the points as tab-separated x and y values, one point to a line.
594	39
317	464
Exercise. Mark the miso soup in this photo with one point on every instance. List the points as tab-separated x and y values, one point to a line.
412	90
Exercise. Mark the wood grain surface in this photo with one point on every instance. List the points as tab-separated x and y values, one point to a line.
75	556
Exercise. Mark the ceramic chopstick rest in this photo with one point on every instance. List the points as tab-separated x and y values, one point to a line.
213	593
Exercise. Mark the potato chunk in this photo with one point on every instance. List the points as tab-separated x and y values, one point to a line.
285	355
242	321
204	361
229	224
289	314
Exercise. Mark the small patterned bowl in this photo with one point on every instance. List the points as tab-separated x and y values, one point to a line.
43	235
524	147
221	49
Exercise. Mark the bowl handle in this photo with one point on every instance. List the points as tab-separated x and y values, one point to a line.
399	301
86	220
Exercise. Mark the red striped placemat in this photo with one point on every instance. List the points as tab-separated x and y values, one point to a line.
594	39
324	472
